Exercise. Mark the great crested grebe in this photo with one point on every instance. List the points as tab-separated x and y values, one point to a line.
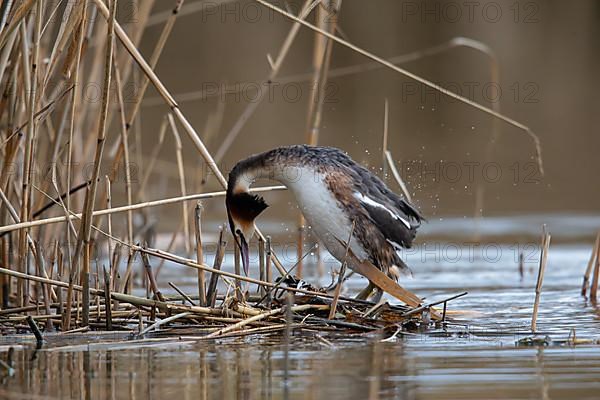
337	197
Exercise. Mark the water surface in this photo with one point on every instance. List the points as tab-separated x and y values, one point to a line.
476	356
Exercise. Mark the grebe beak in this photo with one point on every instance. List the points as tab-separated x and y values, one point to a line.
245	253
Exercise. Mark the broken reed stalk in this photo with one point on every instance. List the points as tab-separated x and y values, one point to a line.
262	273
200	255
153	285
107	293
211	293
522	265
593	257
126	282
268	268
594	287
540	279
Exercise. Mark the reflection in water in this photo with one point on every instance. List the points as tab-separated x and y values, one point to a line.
244	369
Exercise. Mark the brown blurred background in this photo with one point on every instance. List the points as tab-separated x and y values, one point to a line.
548	54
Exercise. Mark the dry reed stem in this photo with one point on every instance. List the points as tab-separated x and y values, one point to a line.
327	19
185	296
417	78
338	288
494	77
73	114
387	159
540	279
264	315
70	19
397	176
268	268
182	185
85	283
137	206
384	146
200	254
6	8
142	301
19	14
125	146
211	293
153	285
107	293
588	270
262	274
162	322
107	189
30	75
236	269
84	232
289	316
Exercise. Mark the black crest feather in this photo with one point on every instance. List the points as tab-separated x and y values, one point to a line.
246	205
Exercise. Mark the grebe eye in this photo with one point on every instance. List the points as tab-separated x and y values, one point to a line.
238	232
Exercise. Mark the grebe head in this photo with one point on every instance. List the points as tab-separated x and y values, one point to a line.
242	210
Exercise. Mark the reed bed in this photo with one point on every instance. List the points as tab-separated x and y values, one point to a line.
52	217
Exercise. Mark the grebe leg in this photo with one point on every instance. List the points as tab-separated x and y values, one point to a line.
366	292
